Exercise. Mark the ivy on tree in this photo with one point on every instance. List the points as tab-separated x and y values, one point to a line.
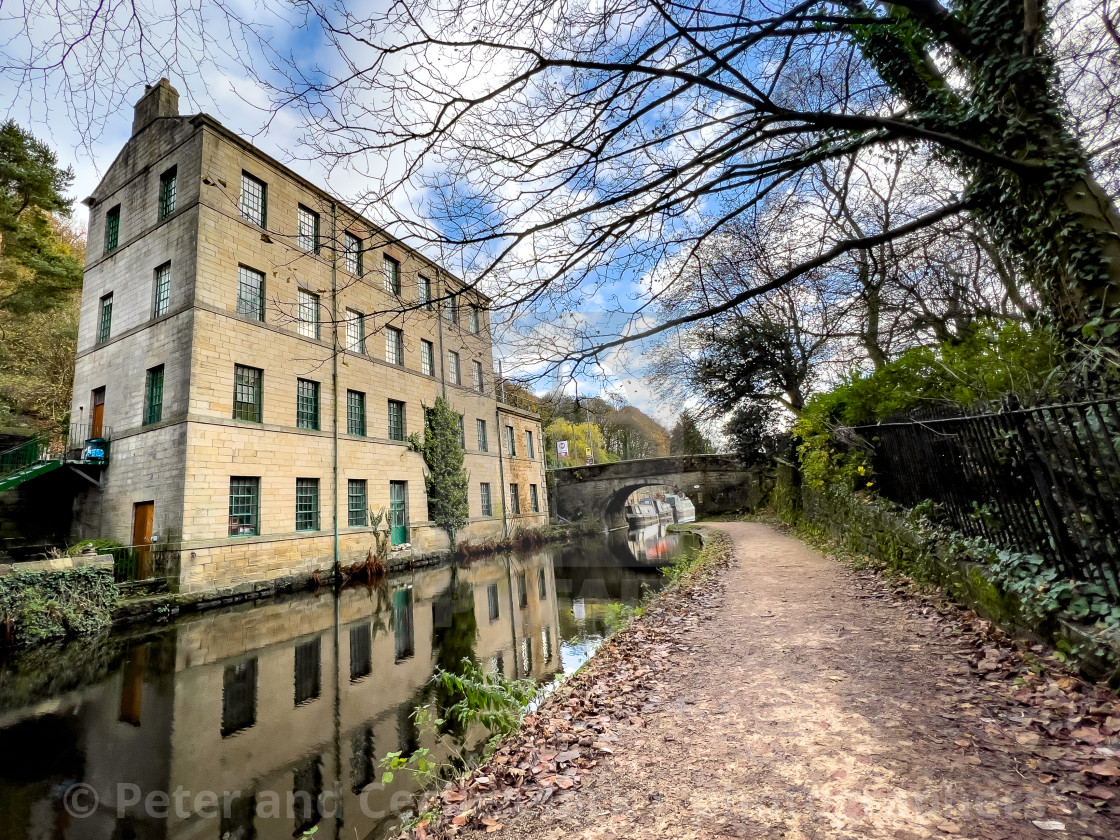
445	480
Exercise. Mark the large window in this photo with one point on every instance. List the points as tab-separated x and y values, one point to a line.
247	393
307	404
479	383
308	671
356	413
396	420
511	442
476	320
392	270
307	229
105	319
355	331
480	430
515	500
352	253
534	499
250	293
167	193
357	507
427	358
112	229
487	501
424	292
239	697
162	297
453	371
530	449
307	316
451	310
254	200
244	506
307	504
394	346
153	396
462	434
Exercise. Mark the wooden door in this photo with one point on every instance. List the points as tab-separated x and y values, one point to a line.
143	514
97	413
398	513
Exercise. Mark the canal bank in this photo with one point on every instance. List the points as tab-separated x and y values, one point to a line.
303	694
791	696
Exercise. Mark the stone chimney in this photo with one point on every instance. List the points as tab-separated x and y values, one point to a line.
159	100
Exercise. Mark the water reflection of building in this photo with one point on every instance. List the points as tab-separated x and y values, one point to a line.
280	701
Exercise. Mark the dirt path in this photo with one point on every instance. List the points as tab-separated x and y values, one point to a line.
814	704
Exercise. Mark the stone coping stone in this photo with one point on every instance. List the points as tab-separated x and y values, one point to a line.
59	564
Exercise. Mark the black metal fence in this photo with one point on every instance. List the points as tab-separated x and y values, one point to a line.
1040	480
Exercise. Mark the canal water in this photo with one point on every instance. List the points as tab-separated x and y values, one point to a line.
266	720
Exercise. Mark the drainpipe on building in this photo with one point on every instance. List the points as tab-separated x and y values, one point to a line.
334	384
501	465
439	329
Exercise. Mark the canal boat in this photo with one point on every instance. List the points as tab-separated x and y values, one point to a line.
642	513
683	509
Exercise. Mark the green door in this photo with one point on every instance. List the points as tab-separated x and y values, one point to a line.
398	515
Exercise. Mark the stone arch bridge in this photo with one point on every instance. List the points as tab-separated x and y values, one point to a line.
600	490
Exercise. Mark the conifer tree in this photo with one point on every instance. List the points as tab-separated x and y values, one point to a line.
446	480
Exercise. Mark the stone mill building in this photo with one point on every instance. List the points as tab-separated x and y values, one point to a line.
218	284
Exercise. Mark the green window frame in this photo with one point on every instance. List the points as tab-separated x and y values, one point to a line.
162	297
534	499
480	430
244	505
357	503
112	229
476	321
307	229
487	499
424	291
105	319
392	270
307	314
247	390
396	420
511	442
427	358
356	413
167	187
462	434
530	449
479	382
352	253
451	310
307	504
394	346
254	200
153	396
250	293
307	404
515	499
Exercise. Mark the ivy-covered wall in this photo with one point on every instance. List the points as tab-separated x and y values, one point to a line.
38	606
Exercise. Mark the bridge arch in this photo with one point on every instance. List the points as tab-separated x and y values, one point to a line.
600	490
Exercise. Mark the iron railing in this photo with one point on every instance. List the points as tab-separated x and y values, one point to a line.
1042	480
57	447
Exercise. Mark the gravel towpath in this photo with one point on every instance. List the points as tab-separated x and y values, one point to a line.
806	700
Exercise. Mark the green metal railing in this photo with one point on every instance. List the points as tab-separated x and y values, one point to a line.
21	456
